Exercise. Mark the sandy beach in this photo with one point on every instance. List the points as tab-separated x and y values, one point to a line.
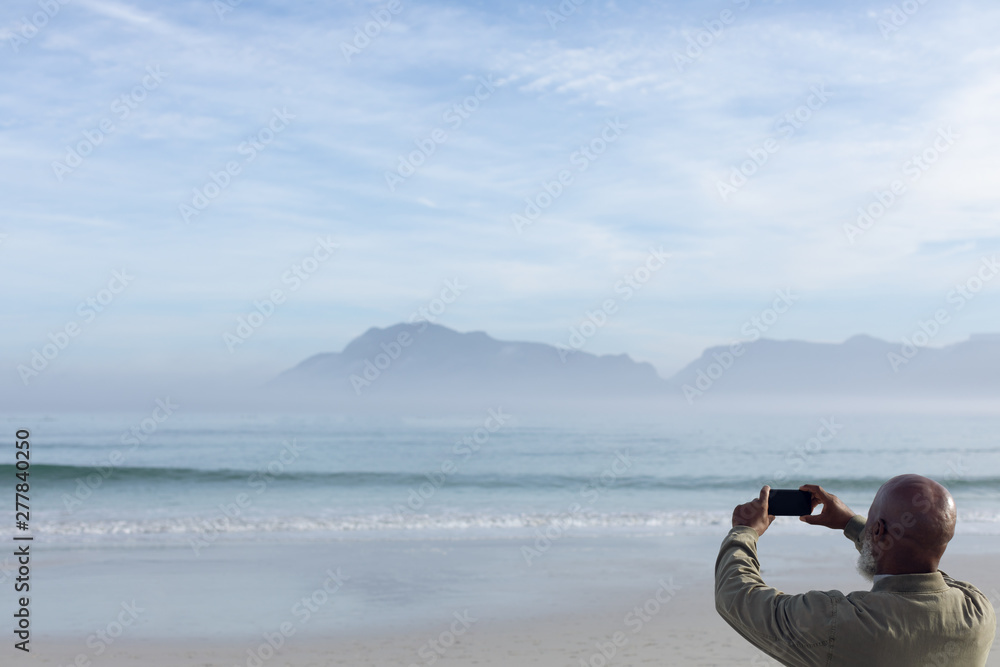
603	604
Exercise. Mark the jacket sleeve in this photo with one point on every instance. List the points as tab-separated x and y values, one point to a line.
853	530
794	629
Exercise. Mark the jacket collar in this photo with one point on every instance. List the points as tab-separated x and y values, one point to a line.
929	582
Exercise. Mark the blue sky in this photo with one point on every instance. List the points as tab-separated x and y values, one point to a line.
310	130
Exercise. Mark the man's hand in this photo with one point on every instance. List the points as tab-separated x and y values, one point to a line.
835	513
754	513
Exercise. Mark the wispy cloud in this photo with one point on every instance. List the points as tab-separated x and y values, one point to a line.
688	128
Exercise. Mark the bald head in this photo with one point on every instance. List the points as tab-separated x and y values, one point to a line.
910	523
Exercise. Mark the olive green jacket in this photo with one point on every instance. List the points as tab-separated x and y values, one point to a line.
909	620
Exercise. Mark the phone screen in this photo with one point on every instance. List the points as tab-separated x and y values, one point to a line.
789	502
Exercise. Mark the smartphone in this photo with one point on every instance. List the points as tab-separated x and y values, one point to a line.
789	502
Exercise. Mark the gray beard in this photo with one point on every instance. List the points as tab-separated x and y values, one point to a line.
866	560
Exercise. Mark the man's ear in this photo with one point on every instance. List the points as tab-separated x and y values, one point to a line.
878	530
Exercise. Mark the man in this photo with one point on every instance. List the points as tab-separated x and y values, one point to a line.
913	616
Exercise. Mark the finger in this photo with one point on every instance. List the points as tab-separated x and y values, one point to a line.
764	493
815	490
817	495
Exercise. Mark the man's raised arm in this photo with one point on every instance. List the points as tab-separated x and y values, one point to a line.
793	628
835	514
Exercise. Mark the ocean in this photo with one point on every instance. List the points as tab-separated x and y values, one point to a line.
198	478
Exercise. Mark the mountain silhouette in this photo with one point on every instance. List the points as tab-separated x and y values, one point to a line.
430	362
421	359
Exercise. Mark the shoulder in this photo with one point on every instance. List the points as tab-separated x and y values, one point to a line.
972	594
